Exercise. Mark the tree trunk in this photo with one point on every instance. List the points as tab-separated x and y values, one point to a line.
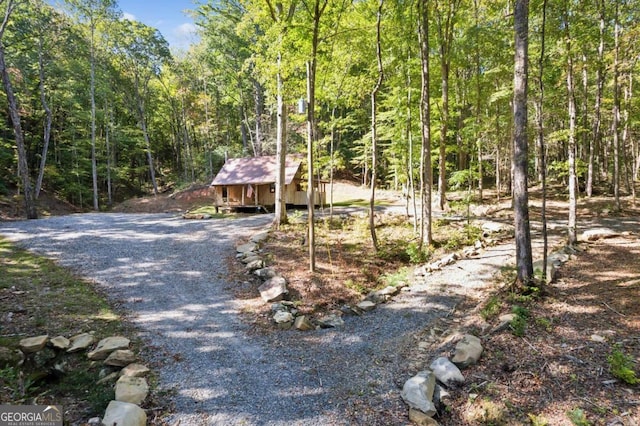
411	191
145	133
94	165
616	112
541	144
258	98
594	146
48	118
310	137
524	263
571	226
23	165
426	172
107	128
374	136
280	216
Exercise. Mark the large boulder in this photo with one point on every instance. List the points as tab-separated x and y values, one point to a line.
598	233
417	392
124	414
446	372
131	389
108	345
266	273
273	289
497	227
33	344
551	270
468	351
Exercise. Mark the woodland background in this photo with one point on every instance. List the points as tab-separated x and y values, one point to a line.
108	112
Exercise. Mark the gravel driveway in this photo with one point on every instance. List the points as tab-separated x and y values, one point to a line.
171	274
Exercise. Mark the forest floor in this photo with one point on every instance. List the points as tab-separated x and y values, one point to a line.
555	366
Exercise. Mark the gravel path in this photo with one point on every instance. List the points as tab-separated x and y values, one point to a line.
171	274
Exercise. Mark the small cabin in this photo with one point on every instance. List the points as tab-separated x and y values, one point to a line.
250	182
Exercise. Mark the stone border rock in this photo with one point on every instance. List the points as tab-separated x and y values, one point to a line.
131	388
274	290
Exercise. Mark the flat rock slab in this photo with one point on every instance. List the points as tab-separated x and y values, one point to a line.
81	342
331	321
247	248
131	389
135	370
60	342
366	305
260	237
124	414
108	345
120	358
33	344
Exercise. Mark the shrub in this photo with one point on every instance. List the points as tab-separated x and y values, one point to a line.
621	366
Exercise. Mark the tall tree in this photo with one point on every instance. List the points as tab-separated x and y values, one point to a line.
426	173
374	124
616	107
540	138
93	12
143	51
571	227
524	258
315	9
281	18
594	145
445	14
14	114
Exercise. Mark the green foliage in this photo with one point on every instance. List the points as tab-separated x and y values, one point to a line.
560	169
417	254
462	179
537	420
578	417
396	278
458	238
491	308
518	324
621	366
356	286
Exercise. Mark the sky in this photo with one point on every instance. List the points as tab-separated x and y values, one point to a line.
168	16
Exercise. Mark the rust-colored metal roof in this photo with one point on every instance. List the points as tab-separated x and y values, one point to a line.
255	170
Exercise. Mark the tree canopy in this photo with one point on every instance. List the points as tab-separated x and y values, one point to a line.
160	120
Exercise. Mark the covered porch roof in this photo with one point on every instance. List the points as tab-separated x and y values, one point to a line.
255	171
